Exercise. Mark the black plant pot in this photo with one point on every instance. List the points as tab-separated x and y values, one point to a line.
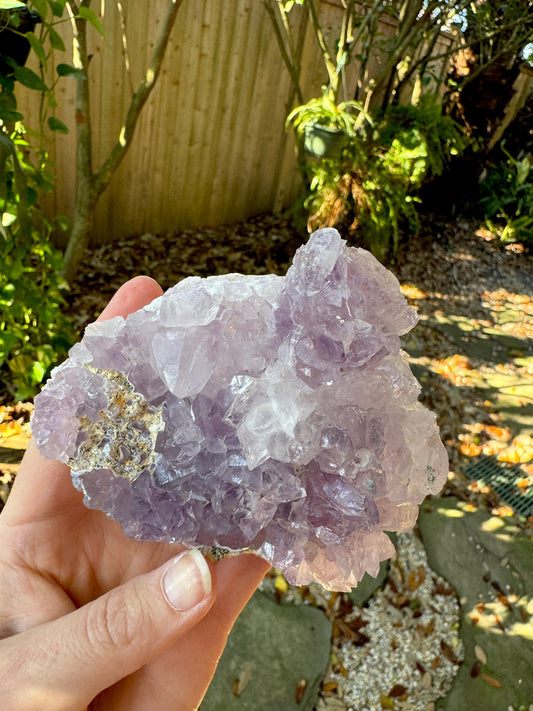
12	44
323	142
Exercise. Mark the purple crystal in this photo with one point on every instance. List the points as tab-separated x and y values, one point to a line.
265	413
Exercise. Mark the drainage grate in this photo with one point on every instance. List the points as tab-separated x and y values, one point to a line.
502	477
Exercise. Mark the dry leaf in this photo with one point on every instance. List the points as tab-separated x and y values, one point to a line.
299	691
476	668
242	681
397	690
448	652
416	578
491	681
329	686
480	654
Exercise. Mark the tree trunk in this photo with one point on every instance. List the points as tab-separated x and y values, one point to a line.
90	184
82	227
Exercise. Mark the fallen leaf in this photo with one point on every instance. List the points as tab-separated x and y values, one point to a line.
299	691
480	654
329	686
491	681
242	681
416	578
476	668
397	690
448	652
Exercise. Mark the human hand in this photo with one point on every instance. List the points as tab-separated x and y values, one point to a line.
91	618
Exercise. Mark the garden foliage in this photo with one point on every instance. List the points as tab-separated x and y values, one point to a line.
34	332
373	184
375	180
507	198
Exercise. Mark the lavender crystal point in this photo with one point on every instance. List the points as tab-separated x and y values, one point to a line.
265	413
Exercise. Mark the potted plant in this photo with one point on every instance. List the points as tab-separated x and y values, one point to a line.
15	21
325	125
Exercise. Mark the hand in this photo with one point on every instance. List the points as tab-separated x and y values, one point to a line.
91	618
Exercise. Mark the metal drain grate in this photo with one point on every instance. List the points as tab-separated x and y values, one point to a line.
502	477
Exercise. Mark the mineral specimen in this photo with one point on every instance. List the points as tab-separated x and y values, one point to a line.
273	414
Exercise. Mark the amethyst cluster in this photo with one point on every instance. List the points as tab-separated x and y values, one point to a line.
265	413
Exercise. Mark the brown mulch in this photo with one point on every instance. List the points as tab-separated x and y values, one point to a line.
263	245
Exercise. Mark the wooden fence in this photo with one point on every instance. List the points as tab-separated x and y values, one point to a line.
210	147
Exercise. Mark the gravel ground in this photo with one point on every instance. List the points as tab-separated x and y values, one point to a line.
413	649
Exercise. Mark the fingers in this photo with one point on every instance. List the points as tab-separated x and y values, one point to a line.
131	296
64	664
187	667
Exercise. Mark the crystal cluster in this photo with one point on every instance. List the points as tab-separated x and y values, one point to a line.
274	414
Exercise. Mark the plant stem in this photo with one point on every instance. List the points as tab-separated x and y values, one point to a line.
91	185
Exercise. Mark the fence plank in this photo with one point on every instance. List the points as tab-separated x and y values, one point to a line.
210	146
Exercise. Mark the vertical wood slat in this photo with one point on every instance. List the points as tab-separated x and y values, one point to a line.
210	146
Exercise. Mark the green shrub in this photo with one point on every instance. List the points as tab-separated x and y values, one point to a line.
373	184
34	333
507	198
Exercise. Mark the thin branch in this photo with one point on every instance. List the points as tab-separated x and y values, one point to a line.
422	61
291	62
454	49
328	61
101	179
83	114
125	51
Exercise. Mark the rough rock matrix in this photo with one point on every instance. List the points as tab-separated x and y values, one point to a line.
276	414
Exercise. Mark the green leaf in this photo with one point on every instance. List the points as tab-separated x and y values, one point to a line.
11	5
57	8
56	125
37	372
41	6
7	341
8	219
65	70
8	110
55	40
90	15
37	47
62	222
7	116
29	78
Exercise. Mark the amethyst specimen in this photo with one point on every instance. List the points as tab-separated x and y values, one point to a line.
255	412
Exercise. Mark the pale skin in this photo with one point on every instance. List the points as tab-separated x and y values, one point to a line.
84	621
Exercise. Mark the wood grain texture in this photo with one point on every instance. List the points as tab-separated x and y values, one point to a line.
210	147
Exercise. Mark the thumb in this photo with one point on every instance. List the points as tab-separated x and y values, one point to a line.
64	664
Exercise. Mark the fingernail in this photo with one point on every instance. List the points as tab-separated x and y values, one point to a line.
187	581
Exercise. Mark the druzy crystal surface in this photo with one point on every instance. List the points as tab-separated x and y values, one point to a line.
275	414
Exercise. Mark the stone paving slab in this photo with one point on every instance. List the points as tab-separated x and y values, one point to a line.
490	564
275	659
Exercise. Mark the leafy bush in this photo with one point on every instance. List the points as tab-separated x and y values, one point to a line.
324	111
507	198
373	184
34	333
